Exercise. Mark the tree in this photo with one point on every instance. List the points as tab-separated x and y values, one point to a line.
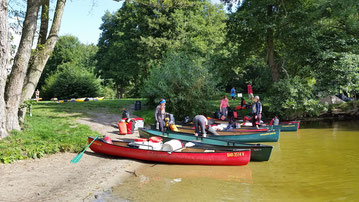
184	81
19	68
4	59
43	51
69	49
136	38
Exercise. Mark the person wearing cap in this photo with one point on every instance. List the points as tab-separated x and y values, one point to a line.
160	115
201	121
256	111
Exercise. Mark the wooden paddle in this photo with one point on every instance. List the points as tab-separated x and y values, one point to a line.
79	156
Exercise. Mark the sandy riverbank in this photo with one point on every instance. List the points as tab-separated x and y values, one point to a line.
54	178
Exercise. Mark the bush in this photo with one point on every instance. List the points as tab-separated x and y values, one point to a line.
293	97
72	82
184	82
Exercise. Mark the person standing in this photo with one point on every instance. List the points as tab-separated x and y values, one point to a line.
250	91
256	112
37	94
160	115
243	103
233	93
201	126
223	106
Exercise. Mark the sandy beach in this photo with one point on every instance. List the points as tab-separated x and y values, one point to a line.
54	178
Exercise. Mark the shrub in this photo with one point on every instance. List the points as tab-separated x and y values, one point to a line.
184	82
72	82
293	97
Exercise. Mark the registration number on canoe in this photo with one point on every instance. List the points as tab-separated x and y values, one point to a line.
289	126
263	134
235	154
97	143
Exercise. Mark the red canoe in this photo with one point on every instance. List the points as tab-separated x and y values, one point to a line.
186	156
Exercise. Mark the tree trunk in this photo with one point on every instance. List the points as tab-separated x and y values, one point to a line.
270	49
44	26
42	54
4	59
22	57
122	91
117	92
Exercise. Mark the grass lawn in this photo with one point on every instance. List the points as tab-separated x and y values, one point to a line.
53	128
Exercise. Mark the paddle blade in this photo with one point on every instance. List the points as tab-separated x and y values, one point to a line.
77	158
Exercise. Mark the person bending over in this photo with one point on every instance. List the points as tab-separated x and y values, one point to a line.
201	126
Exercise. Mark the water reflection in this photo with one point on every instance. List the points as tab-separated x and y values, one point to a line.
319	162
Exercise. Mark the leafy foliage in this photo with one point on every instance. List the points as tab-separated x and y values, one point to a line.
293	97
135	38
72	82
69	50
184	82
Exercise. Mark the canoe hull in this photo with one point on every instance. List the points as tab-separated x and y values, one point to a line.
258	152
283	126
248	137
232	158
270	136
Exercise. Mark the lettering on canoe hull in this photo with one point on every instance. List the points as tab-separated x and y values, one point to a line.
97	143
289	126
273	133
235	154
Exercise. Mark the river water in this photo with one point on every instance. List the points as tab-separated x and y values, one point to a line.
320	162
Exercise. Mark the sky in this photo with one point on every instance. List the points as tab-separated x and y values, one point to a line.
82	18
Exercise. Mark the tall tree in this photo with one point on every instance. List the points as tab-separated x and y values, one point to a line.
43	50
4	59
136	38
19	68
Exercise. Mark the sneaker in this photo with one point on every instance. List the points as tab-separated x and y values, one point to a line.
204	135
196	134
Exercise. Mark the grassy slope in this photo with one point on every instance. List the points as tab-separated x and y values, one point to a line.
52	129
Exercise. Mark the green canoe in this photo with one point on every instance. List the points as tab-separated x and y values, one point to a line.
259	152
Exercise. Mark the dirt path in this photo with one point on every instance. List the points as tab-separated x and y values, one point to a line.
53	178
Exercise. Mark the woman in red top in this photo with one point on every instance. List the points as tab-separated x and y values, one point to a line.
223	106
250	91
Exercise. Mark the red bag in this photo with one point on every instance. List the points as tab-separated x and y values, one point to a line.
122	128
238	107
235	115
130	127
223	118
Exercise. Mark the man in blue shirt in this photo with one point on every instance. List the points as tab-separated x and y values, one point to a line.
233	93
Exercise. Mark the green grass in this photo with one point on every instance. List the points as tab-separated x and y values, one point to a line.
53	128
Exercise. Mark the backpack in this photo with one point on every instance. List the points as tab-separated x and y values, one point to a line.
217	115
230	112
